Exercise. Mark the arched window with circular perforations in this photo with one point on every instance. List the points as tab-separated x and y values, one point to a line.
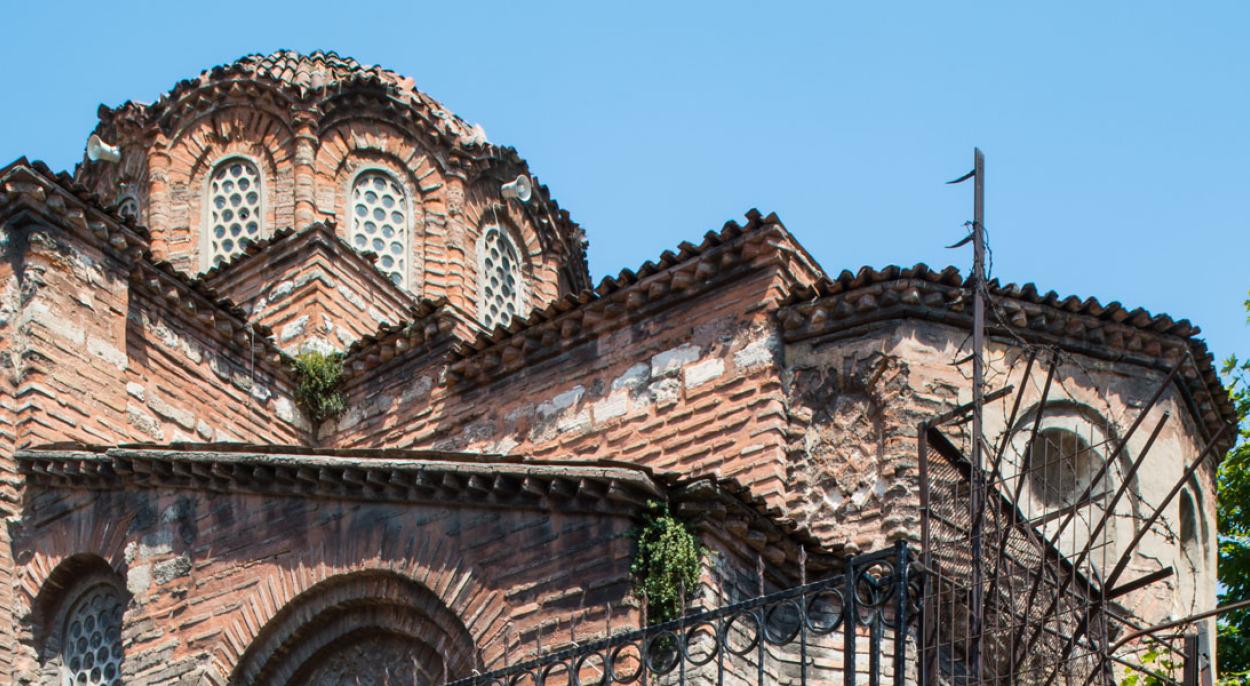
380	222
235	212
500	285
91	637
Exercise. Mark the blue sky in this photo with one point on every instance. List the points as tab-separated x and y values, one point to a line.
1117	134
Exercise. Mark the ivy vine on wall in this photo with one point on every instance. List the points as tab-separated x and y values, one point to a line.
667	563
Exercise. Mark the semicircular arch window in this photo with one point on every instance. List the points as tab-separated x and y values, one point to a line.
234	209
1060	466
499	274
380	222
91	643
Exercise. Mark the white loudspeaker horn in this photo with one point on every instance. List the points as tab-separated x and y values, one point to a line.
521	188
98	150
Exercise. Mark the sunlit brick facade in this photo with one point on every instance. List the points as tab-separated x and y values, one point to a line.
506	420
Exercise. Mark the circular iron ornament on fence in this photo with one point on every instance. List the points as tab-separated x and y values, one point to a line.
690	646
619	658
820	619
590	661
782	622
874	584
525	678
662	652
549	676
874	587
739	620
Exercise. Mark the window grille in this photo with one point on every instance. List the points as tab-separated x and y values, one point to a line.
380	223
499	279
234	195
91	648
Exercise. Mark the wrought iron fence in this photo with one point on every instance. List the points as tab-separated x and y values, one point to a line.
853	628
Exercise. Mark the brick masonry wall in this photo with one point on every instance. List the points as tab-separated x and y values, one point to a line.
207	572
104	364
13	263
691	390
314	293
856	401
313	170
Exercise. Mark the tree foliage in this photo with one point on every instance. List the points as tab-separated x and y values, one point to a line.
1234	526
667	563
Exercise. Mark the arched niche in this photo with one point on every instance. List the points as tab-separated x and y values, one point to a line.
77	619
368	626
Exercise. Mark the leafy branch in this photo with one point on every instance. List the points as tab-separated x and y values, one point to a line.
667	564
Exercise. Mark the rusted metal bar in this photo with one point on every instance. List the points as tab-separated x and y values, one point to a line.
977	494
1098	476
1127	556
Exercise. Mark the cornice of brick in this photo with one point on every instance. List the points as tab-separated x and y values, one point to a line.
722	258
851	301
475	356
426	477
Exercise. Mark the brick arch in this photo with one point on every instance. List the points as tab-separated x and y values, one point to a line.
255	134
483	207
456	587
72	579
348	608
100	538
354	146
56	593
1073	415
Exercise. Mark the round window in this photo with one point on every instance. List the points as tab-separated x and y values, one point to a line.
1060	466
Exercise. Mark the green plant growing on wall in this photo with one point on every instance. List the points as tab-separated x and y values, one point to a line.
1160	661
319	376
668	561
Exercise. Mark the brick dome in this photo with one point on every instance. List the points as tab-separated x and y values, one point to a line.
224	161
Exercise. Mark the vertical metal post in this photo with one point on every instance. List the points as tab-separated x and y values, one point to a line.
977	495
901	610
1191	660
803	616
849	619
761	618
928	620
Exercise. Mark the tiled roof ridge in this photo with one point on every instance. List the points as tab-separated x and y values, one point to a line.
68	184
429	323
306	75
147	272
692	258
221	273
952	276
872	294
